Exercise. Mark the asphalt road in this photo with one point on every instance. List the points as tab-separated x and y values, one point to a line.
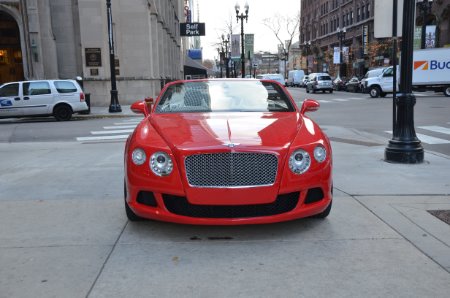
340	113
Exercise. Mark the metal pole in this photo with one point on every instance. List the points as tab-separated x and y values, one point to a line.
405	147
114	106
242	49
394	64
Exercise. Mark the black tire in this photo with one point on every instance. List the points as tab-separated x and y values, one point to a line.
374	91
325	213
130	214
62	112
447	91
331	90
307	90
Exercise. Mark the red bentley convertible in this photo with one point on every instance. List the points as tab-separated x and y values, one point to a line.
227	152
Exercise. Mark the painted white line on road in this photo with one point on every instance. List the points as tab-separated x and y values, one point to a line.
340	99
438	129
323	100
132	120
111	131
121	127
83	139
428	139
128	123
356	98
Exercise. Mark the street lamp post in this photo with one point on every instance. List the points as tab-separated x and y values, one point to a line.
225	54
425	8
242	17
114	106
341	36
405	147
220	60
306	47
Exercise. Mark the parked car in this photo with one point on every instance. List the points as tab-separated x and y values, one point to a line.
305	80
295	78
227	152
58	98
339	84
319	82
272	76
353	85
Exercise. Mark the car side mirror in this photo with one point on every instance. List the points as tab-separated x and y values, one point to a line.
309	105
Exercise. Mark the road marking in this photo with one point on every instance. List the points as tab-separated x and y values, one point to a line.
428	139
438	129
356	98
83	139
121	127
111	131
340	99
324	101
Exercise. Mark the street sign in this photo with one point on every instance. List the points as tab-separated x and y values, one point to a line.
192	29
383	18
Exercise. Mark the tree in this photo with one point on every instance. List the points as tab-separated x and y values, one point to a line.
281	26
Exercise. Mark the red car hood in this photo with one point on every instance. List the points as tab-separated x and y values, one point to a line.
195	131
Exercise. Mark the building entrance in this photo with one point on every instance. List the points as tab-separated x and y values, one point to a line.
11	66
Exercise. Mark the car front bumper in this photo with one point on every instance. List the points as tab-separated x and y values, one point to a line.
257	205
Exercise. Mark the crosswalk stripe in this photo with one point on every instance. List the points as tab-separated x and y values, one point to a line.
121	127
324	101
340	99
428	139
111	131
117	137
438	129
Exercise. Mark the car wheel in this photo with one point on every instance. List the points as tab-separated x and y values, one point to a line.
447	91
307	89
325	213
130	214
331	90
62	112
374	91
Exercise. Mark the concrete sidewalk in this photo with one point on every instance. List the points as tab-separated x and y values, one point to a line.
64	232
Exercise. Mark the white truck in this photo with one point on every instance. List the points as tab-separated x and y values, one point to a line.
431	71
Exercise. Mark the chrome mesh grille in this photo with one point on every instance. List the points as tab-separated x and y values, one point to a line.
231	169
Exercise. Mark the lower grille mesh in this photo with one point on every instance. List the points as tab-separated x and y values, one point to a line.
180	206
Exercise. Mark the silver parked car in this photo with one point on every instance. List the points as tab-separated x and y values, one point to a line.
319	82
58	98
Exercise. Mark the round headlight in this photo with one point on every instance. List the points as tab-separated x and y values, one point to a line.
299	161
138	156
161	164
320	153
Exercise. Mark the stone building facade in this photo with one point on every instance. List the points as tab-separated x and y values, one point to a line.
44	39
321	20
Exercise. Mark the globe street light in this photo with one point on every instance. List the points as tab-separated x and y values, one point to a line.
225	54
425	8
241	17
114	106
341	36
306	48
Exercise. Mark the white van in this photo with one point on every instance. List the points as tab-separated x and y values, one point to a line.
295	78
58	98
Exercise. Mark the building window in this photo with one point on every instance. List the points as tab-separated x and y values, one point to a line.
368	11
363	12
351	17
358	14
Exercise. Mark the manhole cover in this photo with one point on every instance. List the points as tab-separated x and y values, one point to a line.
443	215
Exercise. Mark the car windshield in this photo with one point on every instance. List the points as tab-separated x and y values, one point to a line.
224	96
